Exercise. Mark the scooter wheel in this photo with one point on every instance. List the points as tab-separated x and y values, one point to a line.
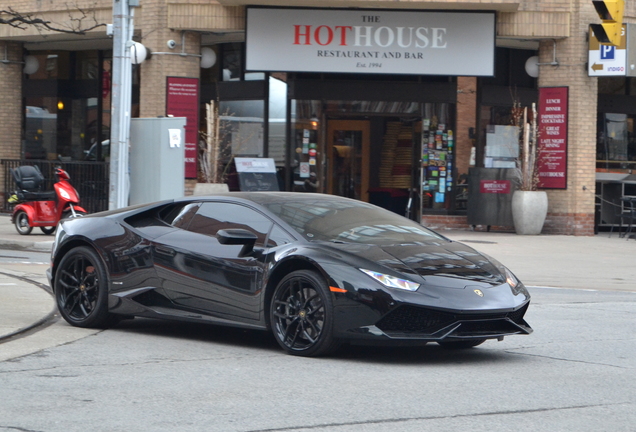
21	222
48	230
68	215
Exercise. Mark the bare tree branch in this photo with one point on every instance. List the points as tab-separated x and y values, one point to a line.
80	21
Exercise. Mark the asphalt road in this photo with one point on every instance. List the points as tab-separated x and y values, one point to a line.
574	373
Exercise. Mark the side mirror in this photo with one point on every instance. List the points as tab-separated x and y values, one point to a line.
238	236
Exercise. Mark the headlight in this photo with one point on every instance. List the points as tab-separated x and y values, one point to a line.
392	281
510	278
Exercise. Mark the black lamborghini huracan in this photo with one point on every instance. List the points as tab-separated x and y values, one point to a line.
316	270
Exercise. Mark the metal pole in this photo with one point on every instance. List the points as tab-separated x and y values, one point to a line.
121	105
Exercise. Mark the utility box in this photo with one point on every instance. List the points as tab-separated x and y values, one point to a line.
157	159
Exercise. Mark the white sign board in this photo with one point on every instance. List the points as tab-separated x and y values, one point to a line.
255	165
370	41
606	60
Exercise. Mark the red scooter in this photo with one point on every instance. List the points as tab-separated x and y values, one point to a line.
42	209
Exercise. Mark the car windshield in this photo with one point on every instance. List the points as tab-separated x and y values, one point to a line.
339	220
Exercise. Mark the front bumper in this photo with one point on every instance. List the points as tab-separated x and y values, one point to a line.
408	322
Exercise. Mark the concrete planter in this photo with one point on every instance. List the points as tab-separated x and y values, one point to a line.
529	209
209	188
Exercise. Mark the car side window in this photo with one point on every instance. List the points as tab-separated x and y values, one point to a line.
214	216
278	237
184	215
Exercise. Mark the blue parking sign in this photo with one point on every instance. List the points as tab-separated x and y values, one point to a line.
607	52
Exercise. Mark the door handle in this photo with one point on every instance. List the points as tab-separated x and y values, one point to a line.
165	251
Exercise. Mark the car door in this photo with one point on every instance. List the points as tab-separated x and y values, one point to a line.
200	273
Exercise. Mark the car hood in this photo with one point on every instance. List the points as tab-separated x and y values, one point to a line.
446	264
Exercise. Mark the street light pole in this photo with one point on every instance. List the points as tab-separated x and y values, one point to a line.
121	104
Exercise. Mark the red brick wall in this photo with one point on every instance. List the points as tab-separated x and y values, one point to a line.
581	224
558	223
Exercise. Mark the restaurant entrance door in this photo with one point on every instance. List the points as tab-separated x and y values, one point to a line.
348	144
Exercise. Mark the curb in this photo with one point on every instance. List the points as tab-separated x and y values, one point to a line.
41	246
50	318
46	320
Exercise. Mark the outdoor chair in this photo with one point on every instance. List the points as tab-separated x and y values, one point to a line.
628	215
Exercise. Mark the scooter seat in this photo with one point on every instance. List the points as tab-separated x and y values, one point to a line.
28	178
36	196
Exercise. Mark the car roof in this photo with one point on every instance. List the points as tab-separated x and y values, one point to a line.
267	197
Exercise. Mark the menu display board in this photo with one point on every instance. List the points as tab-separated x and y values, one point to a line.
256	174
553	138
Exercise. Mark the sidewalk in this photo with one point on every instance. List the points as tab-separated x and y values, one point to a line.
23	305
596	263
10	239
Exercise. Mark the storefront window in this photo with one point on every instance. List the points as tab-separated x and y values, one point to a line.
67	106
40	137
277	120
307	174
616	139
438	156
241	132
616	143
231	61
86	65
52	65
371	151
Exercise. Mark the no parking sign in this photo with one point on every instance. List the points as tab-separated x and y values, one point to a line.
304	170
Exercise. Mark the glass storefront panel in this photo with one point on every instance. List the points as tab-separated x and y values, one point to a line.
67	114
40	136
307	174
371	151
52	65
231	61
616	142
347	173
438	156
241	133
277	121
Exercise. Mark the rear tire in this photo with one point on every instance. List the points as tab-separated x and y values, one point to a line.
81	289
301	315
21	222
48	230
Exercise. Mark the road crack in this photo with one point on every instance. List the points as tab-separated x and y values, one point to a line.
427	418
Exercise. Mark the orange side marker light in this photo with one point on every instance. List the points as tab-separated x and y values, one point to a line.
336	289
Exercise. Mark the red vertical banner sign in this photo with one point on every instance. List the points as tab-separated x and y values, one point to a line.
552	151
182	100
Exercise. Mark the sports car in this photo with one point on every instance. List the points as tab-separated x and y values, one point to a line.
315	270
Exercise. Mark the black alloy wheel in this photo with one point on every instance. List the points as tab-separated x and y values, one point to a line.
301	314
21	221
81	286
462	344
48	230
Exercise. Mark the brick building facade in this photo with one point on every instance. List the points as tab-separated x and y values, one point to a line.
554	29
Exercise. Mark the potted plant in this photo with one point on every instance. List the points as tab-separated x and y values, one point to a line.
529	205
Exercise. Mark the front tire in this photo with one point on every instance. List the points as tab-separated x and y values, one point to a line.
69	215
81	289
21	222
301	314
